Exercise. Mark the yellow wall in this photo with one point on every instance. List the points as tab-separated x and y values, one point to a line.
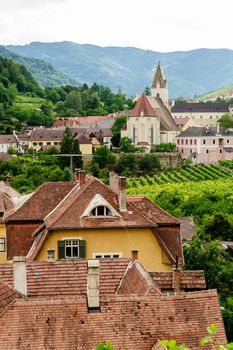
114	240
3	258
86	148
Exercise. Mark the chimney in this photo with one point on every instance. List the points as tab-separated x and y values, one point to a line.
93	267
7	180
20	274
114	181
77	174
134	254
176	277
122	193
80	176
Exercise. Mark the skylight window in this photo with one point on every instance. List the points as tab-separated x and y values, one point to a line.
101	210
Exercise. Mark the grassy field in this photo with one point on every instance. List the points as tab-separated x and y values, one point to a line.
28	102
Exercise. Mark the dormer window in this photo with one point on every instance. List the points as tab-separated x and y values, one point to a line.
101	210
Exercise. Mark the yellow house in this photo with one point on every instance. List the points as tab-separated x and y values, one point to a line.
7	197
94	221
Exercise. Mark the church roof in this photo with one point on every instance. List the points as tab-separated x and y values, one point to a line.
159	78
143	106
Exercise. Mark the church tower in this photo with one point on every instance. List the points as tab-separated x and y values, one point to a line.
159	86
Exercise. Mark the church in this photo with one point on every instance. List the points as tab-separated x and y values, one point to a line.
150	122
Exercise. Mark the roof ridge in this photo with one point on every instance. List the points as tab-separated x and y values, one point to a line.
77	190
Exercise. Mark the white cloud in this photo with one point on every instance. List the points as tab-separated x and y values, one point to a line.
166	25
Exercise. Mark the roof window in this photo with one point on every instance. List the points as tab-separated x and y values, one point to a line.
100	210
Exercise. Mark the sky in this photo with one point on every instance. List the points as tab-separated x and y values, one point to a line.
158	25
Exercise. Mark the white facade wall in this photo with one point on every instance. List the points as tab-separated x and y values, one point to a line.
4	146
162	93
143	129
201	118
209	149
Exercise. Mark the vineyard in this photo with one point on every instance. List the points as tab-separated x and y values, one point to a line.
185	174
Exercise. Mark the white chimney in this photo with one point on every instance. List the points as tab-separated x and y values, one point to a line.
93	268
20	274
122	193
114	181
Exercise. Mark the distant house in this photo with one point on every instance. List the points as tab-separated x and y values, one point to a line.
203	114
9	141
89	138
83	121
205	144
45	137
23	141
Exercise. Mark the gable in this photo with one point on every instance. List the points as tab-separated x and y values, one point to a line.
99	201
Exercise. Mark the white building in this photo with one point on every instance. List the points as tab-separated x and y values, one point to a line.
150	122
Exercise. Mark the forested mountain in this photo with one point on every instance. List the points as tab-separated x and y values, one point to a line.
24	102
42	71
188	73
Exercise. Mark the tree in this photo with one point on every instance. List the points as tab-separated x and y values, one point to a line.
126	164
218	226
149	163
77	161
126	145
103	157
66	147
116	130
74	100
226	121
147	91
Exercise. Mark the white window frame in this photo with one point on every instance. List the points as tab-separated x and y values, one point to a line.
107	255
2	244
72	245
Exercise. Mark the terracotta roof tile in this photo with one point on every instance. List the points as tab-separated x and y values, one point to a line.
189	280
143	105
68	214
43	200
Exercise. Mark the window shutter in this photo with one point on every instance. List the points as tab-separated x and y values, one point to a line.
61	249
82	249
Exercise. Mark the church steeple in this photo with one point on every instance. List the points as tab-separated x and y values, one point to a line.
159	80
159	86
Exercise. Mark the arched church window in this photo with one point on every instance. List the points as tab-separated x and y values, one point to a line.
143	132
152	134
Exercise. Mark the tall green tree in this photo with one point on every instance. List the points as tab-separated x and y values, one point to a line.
67	145
116	130
77	161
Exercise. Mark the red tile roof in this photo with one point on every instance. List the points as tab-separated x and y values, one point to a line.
80	120
133	316
7	296
43	200
143	106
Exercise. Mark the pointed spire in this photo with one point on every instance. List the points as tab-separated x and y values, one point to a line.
159	78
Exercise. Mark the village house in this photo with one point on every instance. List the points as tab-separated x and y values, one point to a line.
150	122
75	304
206	144
199	113
10	199
9	141
87	219
82	254
89	139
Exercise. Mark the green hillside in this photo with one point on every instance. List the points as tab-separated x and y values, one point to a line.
224	92
42	71
188	73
